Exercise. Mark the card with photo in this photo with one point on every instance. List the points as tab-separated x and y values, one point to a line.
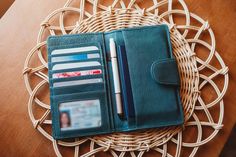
80	115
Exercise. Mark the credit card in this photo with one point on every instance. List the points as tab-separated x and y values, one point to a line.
77	82
77	73
80	114
77	57
74	50
75	65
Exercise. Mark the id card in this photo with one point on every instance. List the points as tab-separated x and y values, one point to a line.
80	115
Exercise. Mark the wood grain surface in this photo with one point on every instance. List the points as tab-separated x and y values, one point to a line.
4	5
18	32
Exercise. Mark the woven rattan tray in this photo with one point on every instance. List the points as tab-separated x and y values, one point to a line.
192	71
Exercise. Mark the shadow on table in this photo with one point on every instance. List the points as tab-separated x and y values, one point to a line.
229	149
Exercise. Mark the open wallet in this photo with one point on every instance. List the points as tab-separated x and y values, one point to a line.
117	81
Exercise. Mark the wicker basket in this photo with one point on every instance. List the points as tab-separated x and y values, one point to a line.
110	18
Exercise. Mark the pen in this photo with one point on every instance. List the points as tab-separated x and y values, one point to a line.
116	78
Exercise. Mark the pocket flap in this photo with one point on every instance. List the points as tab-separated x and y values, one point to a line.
165	72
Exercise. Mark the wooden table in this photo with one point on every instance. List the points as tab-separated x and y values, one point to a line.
18	32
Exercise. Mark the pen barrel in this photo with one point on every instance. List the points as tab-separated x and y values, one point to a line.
115	75
118	102
112	48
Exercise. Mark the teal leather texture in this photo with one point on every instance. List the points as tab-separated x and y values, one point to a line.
153	73
165	72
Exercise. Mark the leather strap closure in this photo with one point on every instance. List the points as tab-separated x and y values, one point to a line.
165	72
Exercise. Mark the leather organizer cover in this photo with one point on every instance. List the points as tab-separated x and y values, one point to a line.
149	81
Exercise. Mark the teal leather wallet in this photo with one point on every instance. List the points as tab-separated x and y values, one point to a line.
82	90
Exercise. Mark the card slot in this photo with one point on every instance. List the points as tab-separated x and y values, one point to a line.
95	68
75	106
78	88
77	69
77	78
74	96
78	53
86	63
53	49
74	65
77	57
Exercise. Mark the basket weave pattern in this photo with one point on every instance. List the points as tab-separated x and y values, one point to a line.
121	15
